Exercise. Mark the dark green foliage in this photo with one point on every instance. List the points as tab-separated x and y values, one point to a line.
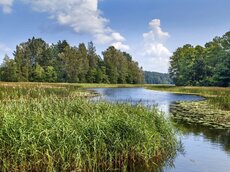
157	78
120	68
37	61
202	66
8	70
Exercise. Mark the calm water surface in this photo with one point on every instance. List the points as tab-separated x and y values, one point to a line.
205	150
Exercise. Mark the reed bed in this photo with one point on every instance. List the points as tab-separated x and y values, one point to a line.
52	129
220	102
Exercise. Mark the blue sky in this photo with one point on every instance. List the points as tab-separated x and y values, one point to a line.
148	29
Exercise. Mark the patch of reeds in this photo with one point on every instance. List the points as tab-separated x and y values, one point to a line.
221	102
48	129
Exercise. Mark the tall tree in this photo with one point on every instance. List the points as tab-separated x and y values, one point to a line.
70	57
204	66
93	63
83	62
8	70
37	61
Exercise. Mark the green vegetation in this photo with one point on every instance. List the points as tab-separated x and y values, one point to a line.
220	102
202	91
47	127
37	61
216	96
212	112
202	66
201	113
157	78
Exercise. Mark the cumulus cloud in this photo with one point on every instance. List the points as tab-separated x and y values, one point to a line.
121	46
156	33
83	16
6	5
155	54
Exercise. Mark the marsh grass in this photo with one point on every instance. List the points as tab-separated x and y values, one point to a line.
50	128
203	91
221	102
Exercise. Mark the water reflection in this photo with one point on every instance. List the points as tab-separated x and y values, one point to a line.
220	138
142	96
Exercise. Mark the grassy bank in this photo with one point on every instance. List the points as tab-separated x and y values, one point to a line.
47	127
213	112
203	91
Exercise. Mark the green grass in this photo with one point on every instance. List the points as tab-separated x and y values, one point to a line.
220	102
48	127
203	91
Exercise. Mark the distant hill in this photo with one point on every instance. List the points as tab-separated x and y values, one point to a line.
157	78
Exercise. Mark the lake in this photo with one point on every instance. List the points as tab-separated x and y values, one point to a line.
205	150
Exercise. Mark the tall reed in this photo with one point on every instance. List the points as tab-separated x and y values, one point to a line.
51	129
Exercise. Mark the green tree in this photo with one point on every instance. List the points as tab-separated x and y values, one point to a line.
83	62
37	61
93	60
111	56
38	74
204	66
8	71
56	51
50	74
70	56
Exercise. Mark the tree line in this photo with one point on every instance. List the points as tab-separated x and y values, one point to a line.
37	61
157	78
202	66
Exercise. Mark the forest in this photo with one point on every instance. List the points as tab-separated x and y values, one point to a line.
157	78
37	61
202	66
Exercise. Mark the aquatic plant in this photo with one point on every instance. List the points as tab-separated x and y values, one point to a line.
52	129
201	113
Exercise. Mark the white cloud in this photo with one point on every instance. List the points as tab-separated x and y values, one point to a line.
156	33
83	16
6	5
121	46
155	55
118	37
4	48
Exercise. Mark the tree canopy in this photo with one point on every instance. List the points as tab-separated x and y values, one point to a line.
37	61
202	66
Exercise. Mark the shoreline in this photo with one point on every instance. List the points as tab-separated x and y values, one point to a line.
209	112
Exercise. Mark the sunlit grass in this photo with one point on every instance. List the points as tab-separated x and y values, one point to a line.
48	127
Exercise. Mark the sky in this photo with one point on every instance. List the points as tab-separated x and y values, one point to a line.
150	30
